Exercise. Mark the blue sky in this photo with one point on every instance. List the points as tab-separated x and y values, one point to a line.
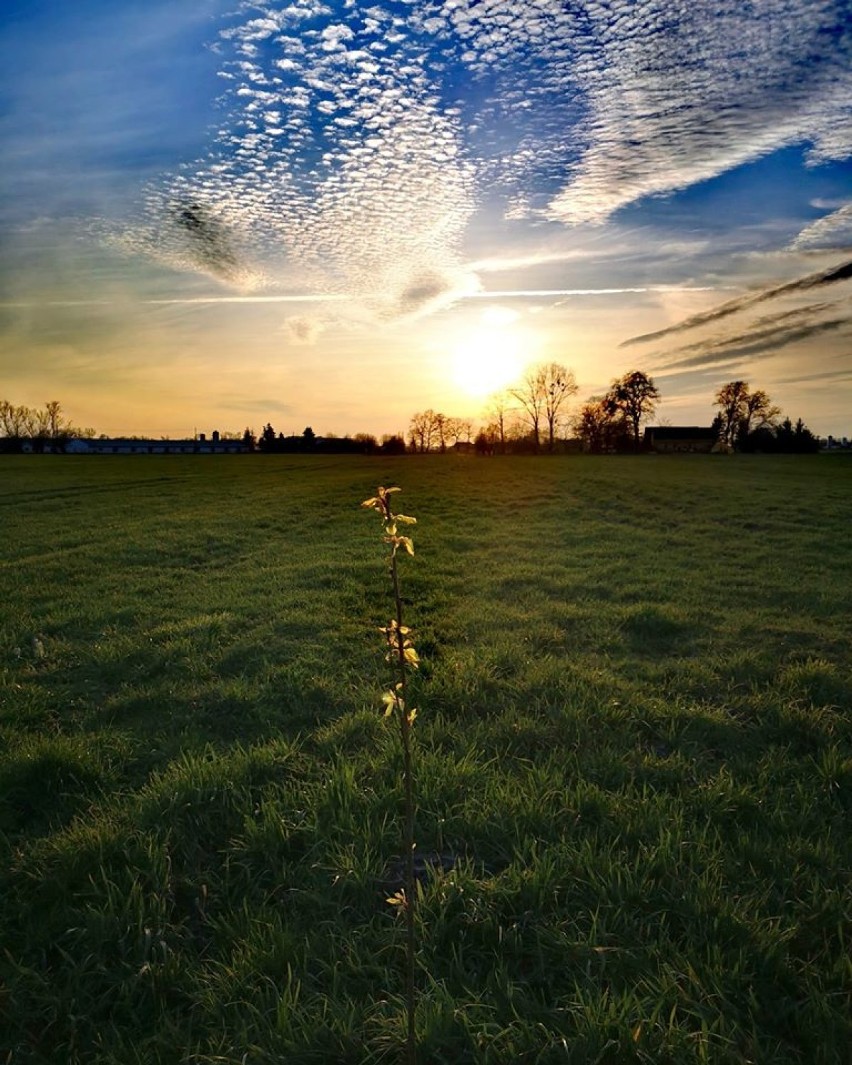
335	214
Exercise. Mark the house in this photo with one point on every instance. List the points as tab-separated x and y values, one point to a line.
133	446
669	439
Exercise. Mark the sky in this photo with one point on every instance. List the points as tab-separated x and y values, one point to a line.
215	215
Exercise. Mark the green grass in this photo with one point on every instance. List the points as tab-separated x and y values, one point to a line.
633	753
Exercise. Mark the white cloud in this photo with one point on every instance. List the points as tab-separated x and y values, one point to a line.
671	103
832	231
359	143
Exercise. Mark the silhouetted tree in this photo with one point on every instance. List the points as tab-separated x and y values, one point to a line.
542	394
730	399
560	386
454	430
44	427
485	442
439	424
431	430
758	412
635	397
803	439
785	438
530	394
365	443
602	427
267	438
498	413
742	411
393	444
593	426
421	431
55	422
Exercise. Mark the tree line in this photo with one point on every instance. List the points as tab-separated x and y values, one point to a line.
532	416
42	428
271	443
748	420
535	416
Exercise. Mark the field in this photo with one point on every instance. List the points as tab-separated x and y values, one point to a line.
633	756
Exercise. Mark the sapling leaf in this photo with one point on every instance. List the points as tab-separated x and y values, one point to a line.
401	653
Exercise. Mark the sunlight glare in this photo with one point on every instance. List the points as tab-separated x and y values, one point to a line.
491	356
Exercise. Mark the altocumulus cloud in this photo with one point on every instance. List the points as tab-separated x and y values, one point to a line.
358	141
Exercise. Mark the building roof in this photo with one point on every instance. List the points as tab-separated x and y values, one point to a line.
681	432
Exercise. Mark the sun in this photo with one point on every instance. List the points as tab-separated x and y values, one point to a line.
489	357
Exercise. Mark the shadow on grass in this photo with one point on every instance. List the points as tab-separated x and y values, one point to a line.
49	781
653	632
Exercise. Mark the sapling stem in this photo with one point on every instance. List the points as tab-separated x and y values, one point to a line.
408	786
403	656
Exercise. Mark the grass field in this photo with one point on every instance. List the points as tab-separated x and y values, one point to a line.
633	755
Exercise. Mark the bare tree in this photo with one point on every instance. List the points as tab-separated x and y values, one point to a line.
455	429
559	386
15	422
420	431
530	394
430	429
439	427
542	394
499	412
39	424
56	424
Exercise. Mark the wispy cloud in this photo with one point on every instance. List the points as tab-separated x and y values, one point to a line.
837	376
762	342
620	291
841	272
